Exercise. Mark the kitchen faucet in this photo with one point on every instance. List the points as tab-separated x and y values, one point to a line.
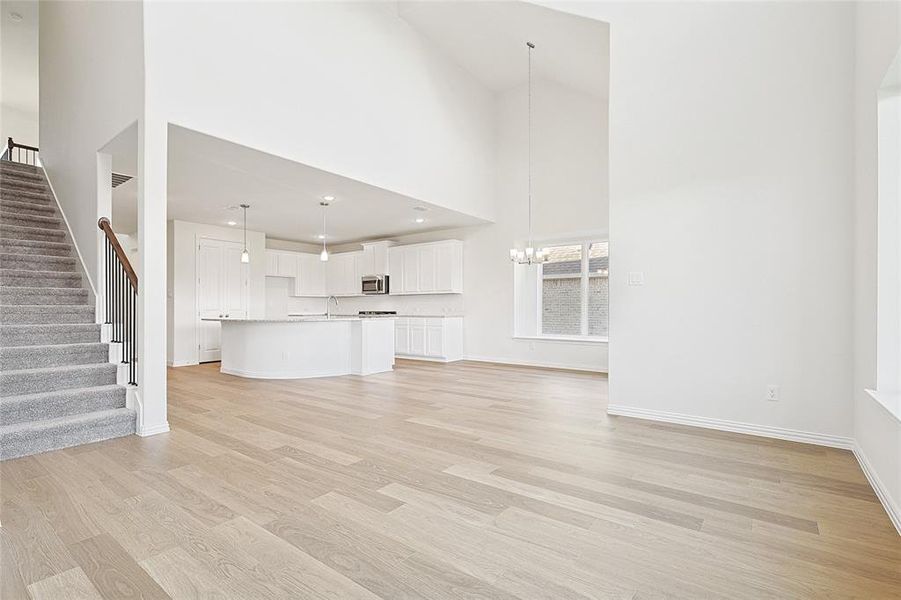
328	306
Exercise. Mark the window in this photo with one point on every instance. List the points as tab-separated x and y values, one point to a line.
574	291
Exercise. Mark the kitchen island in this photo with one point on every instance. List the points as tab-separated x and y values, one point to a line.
303	347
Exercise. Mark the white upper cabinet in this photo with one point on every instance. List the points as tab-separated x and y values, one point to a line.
374	259
343	274
280	263
272	263
432	268
310	279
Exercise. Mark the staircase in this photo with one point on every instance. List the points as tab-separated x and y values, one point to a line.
57	386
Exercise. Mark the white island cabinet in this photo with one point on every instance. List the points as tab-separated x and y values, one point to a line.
296	348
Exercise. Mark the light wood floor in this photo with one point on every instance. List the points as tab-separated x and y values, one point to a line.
437	481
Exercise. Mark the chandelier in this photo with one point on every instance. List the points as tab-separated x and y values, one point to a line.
529	255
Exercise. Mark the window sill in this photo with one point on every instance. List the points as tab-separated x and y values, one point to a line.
888	401
571	339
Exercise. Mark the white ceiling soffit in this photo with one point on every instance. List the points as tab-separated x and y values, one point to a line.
488	39
209	177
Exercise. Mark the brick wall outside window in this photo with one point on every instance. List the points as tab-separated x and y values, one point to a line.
598	305
561	306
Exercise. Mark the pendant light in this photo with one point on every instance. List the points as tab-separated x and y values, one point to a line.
245	255
323	256
529	255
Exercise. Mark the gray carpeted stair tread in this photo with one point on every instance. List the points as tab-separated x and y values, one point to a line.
20	232
60	403
47	379
37	262
32	196
34	335
25	278
12	295
22	439
28	208
59	313
41	247
14	358
29	220
23	182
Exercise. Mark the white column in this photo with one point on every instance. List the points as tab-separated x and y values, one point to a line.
104	209
152	178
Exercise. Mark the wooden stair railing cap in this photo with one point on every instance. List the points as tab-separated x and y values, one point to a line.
107	229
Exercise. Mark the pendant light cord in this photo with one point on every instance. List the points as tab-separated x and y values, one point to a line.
324	205
531	47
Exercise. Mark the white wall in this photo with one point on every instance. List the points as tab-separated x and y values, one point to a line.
182	238
730	178
20	125
19	73
345	87
92	86
877	433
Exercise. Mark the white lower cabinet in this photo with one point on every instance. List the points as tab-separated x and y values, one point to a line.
429	338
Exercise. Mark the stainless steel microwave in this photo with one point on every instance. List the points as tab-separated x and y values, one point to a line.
375	284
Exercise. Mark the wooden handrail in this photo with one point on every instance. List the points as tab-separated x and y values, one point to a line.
11	144
14	152
107	229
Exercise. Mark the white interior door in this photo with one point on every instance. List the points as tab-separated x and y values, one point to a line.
234	281
221	292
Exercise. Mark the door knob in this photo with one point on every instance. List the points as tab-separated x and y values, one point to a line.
226	316
220	315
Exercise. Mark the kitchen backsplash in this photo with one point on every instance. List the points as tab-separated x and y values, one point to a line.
279	303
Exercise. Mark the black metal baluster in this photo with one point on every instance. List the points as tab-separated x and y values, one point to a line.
125	323
106	300
131	361
117	316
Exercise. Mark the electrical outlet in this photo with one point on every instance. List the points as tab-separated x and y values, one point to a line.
772	393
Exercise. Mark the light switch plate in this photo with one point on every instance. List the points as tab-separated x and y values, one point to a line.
636	278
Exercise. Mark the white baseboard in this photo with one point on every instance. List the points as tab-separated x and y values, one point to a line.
153	430
526	363
425	358
172	363
792	435
893	510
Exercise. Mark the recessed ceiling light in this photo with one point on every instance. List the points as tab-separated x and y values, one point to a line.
328	198
16	17
232	223
420	220
320	237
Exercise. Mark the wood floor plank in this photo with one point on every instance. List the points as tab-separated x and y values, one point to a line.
439	481
112	571
68	585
